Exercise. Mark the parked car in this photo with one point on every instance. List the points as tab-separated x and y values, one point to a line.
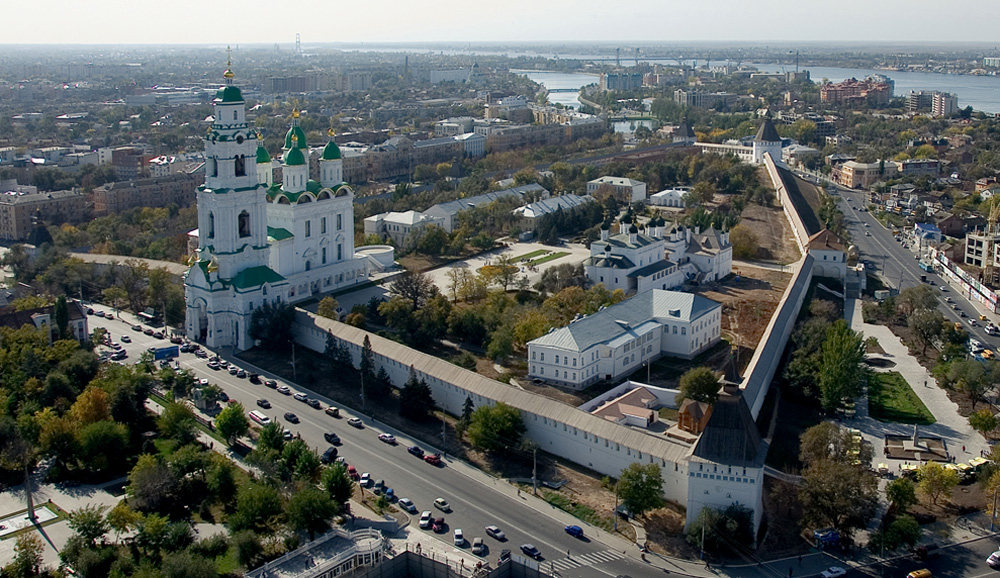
287	434
148	331
833	572
254	378
332	438
504	557
442	504
332	411
158	334
263	403
314	403
433	459
213	365
242	374
459	537
575	531
352	473
415	450
329	455
994	560
283	389
233	370
379	486
531	551
270	383
407	505
390	494
366	480
356	422
200	353
301	396
291	417
438	525
137	328
126	339
496	533
387	438
478	546
425	519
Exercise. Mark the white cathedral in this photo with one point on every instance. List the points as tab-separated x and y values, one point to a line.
259	241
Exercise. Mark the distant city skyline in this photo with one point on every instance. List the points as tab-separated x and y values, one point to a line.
379	21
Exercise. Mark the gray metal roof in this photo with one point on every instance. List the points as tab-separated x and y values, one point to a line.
454	207
650	269
622	240
613	261
610	322
659	446
731	436
767	132
547	206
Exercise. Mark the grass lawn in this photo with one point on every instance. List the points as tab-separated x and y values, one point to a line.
585	513
550	257
896	401
530	255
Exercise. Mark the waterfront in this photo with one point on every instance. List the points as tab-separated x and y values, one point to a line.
571	81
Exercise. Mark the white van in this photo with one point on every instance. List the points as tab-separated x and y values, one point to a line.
259	418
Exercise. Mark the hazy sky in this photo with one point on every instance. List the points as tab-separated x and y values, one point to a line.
255	21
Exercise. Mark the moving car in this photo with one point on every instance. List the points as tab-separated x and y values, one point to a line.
126	339
137	328
459	538
407	504
495	532
387	438
922	573
833	572
291	417
329	455
356	422
433	459
994	560
332	437
478	547
442	504
415	450
575	531
263	403
425	519
438	525
531	551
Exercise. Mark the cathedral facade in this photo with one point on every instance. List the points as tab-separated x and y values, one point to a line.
261	242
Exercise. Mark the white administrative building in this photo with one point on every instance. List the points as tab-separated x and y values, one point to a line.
619	339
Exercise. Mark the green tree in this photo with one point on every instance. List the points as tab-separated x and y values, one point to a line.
640	488
902	532
983	421
248	547
842	367
102	444
61	313
328	308
115	296
271	437
123	519
232	423
839	495
916	298
89	523
901	493
699	384
367	365
337	483
151	485
271	324
415	399
27	561
829	441
744	241
496	428
716	530
433	241
310	510
187	565
925	326
414	287
177	422
258	506
935	480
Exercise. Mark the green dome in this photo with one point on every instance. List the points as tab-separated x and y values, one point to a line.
295	157
299	133
228	94
263	157
331	152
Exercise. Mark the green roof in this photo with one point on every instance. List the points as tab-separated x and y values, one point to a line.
279	234
294	157
299	133
228	94
263	156
255	277
331	152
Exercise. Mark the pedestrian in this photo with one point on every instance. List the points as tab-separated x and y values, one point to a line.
963	448
800	559
789	573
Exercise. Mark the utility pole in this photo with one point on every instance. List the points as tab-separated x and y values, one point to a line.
614	514
534	471
993	518
442	429
703	541
295	376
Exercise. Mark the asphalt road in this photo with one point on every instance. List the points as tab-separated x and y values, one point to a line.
899	267
474	503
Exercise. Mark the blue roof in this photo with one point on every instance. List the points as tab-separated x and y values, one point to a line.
928	227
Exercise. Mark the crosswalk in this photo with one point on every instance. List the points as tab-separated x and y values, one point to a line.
575	561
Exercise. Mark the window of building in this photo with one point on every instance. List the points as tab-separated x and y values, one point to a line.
241	166
324	255
574	362
542	356
211	225
244	224
340	252
340	222
683	330
235	117
308	228
322	226
557	359
533	355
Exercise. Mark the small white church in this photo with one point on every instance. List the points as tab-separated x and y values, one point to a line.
259	241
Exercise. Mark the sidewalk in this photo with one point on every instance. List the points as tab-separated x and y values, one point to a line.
950	426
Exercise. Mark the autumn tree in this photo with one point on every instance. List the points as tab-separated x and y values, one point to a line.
935	480
744	242
328	308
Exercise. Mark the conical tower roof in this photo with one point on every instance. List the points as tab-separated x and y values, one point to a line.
767	132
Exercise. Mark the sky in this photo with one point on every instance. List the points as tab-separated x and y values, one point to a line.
259	21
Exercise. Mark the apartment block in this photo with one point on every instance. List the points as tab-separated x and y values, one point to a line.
178	188
18	211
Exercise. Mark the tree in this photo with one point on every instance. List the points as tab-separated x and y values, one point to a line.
133	276
151	485
496	428
257	505
414	287
925	325
116	296
328	308
840	495
337	483
916	298
27	561
829	441
699	384
123	519
415	399
503	271
640	488
842	368
89	523
367	365
271	324
310	510
61	313
902	532
248	547
972	377
91	406
102	444
232	423
271	437
934	480
177	422
901	493
744	241
983	421
433	241
187	565
716	530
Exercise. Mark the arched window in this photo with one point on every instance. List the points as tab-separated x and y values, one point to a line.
244	224
215	167
241	166
308	265
211	225
235	117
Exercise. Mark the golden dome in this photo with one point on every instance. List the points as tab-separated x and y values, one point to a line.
295	113
330	132
213	265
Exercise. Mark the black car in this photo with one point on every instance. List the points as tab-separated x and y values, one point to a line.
263	403
332	438
254	378
90	311
415	450
291	417
329	455
224	397
531	551
314	403
270	383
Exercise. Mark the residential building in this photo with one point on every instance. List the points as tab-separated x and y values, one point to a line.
513	108
448	212
919	101
917	167
933	101
262	243
44	318
437	150
455	75
403	229
621	81
927	233
870	91
174	189
704	99
624	189
795	154
669	198
857	175
130	162
619	339
524	135
473	145
529	215
949	224
20	209
454	126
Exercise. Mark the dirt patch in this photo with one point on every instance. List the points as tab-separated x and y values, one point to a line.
665	532
775	238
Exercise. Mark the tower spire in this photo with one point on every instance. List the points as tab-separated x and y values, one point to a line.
228	74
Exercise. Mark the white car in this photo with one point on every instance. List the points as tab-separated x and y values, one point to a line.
994	560
407	504
495	532
366	480
283	389
387	438
833	572
459	537
478	548
425	519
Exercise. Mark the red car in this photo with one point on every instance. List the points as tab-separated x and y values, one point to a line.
433	459
353	473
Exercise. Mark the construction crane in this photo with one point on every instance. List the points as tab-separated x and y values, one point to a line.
989	255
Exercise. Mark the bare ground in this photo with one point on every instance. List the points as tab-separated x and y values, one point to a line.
775	239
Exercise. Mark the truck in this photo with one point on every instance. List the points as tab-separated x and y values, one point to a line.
168	352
